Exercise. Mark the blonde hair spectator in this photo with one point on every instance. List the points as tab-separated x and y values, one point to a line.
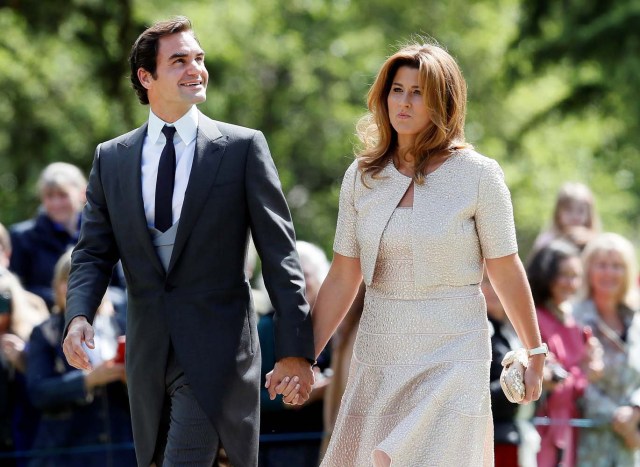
60	279
612	242
575	217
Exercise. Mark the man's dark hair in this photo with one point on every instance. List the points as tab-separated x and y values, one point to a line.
145	50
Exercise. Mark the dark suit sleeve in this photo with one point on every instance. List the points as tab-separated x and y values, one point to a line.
274	237
96	253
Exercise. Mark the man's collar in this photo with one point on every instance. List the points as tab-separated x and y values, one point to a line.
186	126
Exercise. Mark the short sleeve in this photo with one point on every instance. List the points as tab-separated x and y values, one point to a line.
345	242
494	214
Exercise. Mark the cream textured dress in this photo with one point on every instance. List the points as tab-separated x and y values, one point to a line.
418	388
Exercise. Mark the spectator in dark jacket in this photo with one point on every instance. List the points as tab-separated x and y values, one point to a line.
39	242
80	409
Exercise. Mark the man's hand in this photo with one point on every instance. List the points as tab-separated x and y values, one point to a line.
292	377
79	331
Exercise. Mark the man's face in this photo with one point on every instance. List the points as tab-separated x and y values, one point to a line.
181	77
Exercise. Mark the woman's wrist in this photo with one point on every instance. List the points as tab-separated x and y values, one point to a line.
541	350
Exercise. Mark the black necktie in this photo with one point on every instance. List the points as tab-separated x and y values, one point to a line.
165	181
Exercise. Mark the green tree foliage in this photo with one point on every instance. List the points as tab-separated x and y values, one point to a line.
299	71
581	58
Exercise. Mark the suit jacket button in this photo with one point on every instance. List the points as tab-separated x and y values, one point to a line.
168	287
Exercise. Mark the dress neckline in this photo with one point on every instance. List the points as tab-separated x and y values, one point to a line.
445	162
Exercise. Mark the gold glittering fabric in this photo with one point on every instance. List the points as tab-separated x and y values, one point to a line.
418	389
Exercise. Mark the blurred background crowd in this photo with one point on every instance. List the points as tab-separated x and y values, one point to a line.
552	97
584	282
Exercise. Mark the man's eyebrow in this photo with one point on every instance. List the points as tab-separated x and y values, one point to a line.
184	54
178	55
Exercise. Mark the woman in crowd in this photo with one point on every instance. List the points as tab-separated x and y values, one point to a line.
575	358
420	212
80	409
574	217
610	310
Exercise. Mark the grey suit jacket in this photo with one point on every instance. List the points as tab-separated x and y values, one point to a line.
202	303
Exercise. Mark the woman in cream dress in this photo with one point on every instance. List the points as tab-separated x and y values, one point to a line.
419	212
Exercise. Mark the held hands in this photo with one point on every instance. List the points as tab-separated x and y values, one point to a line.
79	331
292	377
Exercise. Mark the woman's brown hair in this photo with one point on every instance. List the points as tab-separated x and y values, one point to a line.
444	91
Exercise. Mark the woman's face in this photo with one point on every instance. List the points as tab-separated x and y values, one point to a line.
407	111
568	280
607	272
575	213
62	204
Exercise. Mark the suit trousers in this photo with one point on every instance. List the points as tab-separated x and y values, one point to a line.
187	437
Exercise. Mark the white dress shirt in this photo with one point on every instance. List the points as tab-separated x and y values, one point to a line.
185	143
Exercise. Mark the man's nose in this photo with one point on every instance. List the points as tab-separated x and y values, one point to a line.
195	67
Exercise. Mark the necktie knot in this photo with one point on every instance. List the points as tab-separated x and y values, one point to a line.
168	132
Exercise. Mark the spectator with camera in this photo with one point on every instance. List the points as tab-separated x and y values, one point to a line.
575	357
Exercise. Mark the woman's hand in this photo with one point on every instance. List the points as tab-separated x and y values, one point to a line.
533	379
625	422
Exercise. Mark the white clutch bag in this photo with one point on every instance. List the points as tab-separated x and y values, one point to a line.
514	364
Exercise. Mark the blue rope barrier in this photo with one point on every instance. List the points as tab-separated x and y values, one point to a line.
97	448
264	438
574	422
90	448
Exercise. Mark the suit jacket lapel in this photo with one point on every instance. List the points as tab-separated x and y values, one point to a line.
210	146
130	168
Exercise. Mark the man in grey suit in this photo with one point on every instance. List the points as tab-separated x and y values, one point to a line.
175	200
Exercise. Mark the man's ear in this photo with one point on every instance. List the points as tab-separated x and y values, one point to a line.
145	78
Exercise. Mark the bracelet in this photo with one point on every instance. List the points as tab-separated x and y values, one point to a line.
543	349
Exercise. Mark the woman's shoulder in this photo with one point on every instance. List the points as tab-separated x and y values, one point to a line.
473	159
352	169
